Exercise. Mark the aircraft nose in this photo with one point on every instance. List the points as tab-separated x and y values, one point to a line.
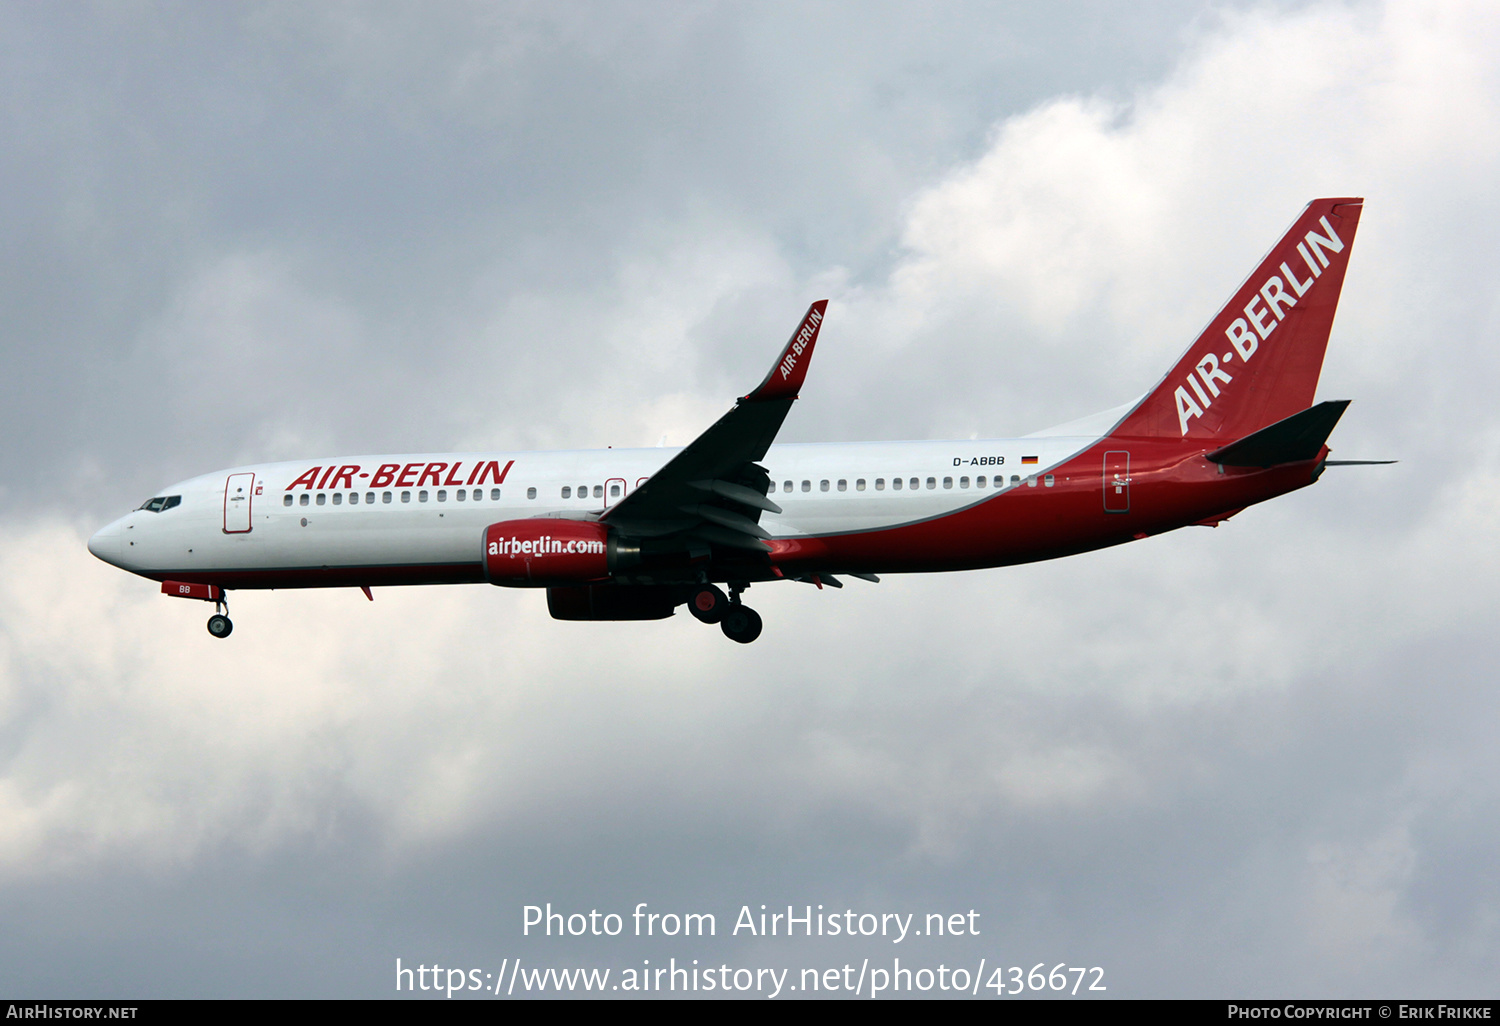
105	544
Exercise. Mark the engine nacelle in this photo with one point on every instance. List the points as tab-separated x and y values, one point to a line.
612	602
546	551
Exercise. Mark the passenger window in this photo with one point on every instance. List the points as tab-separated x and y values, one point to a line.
322	498
880	484
947	482
806	485
598	492
338	498
302	499
1030	480
370	498
963	482
823	485
286	500
979	482
422	495
479	494
859	485
461	495
531	493
1047	480
843	485
1015	479
771	488
898	483
786	486
567	492
354	498
931	483
406	496
442	495
385	496
494	495
614	491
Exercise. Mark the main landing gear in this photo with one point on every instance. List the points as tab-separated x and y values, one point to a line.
218	624
738	621
708	603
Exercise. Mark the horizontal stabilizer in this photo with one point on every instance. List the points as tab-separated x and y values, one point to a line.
1295	439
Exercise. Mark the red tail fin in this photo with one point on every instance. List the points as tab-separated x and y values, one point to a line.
1258	361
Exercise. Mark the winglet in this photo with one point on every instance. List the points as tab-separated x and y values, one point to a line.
785	379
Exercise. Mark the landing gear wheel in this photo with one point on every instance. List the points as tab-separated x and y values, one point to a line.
741	623
219	625
708	603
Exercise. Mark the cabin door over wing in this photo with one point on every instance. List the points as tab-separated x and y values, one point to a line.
237	503
1117	481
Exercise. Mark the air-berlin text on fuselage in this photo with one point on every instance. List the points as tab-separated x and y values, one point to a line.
1263	313
793	351
411	475
546	545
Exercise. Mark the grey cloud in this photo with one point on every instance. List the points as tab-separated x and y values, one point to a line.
394	162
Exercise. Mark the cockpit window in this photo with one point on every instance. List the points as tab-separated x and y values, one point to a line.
161	502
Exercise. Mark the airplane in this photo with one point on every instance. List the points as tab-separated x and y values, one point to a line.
632	534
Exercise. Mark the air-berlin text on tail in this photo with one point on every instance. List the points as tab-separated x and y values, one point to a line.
410	475
793	351
1265	310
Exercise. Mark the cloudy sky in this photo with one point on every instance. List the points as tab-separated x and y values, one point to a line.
1256	760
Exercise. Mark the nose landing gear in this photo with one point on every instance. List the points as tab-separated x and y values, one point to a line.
219	624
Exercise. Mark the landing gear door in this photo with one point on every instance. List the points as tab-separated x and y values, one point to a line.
237	499
1117	482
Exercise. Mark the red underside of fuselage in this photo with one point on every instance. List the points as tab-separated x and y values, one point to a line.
1169	487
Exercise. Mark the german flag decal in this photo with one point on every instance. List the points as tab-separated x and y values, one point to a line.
1027	460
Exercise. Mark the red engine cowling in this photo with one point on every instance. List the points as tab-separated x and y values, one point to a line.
546	551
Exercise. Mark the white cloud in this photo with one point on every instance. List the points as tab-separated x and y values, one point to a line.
1110	231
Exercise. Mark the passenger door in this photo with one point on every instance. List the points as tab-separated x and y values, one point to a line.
237	499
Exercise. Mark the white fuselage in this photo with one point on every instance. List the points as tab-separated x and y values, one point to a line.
415	516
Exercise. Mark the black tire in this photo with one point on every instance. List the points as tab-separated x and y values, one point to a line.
741	623
219	625
708	603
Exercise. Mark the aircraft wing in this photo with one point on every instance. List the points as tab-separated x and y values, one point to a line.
714	491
